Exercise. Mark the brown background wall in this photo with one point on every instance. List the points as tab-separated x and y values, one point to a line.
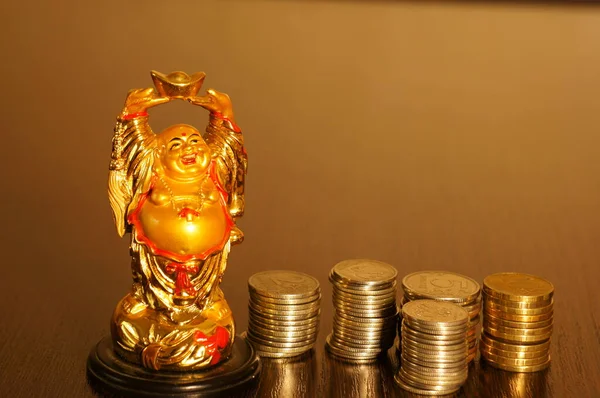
425	134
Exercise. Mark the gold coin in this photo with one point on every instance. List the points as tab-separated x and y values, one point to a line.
441	285
518	311
513	354
518	287
496	322
520	369
518	304
490	312
487	324
364	272
491	342
518	338
514	361
435	313
283	284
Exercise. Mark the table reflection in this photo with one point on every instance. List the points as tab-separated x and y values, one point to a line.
288	377
351	380
496	383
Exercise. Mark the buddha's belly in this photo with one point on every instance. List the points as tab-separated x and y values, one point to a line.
183	237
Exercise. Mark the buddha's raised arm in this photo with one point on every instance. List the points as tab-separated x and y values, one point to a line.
132	154
226	141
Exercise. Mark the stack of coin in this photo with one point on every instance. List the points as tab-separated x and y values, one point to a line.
284	309
434	347
450	287
517	322
365	312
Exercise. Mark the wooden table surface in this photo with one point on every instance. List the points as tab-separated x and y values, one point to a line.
44	344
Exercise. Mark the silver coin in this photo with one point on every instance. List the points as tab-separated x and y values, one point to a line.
288	311
382	293
285	301
275	324
364	272
285	284
440	384
282	317
276	333
413	390
281	343
275	305
434	313
441	285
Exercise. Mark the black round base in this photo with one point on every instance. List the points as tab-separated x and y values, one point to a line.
110	375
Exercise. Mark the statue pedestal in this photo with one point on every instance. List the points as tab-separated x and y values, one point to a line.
109	374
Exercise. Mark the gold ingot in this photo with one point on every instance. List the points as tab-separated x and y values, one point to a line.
178	84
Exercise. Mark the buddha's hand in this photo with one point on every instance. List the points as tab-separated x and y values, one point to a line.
215	102
140	99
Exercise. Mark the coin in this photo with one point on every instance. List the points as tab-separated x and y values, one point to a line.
283	284
363	292
519	287
283	313
258	298
285	305
441	285
517	368
515	317
513	354
418	391
519	325
431	311
489	341
488	305
517	304
364	272
514	361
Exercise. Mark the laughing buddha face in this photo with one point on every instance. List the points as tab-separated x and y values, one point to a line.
183	152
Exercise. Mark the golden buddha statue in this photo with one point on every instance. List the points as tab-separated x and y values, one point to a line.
179	194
